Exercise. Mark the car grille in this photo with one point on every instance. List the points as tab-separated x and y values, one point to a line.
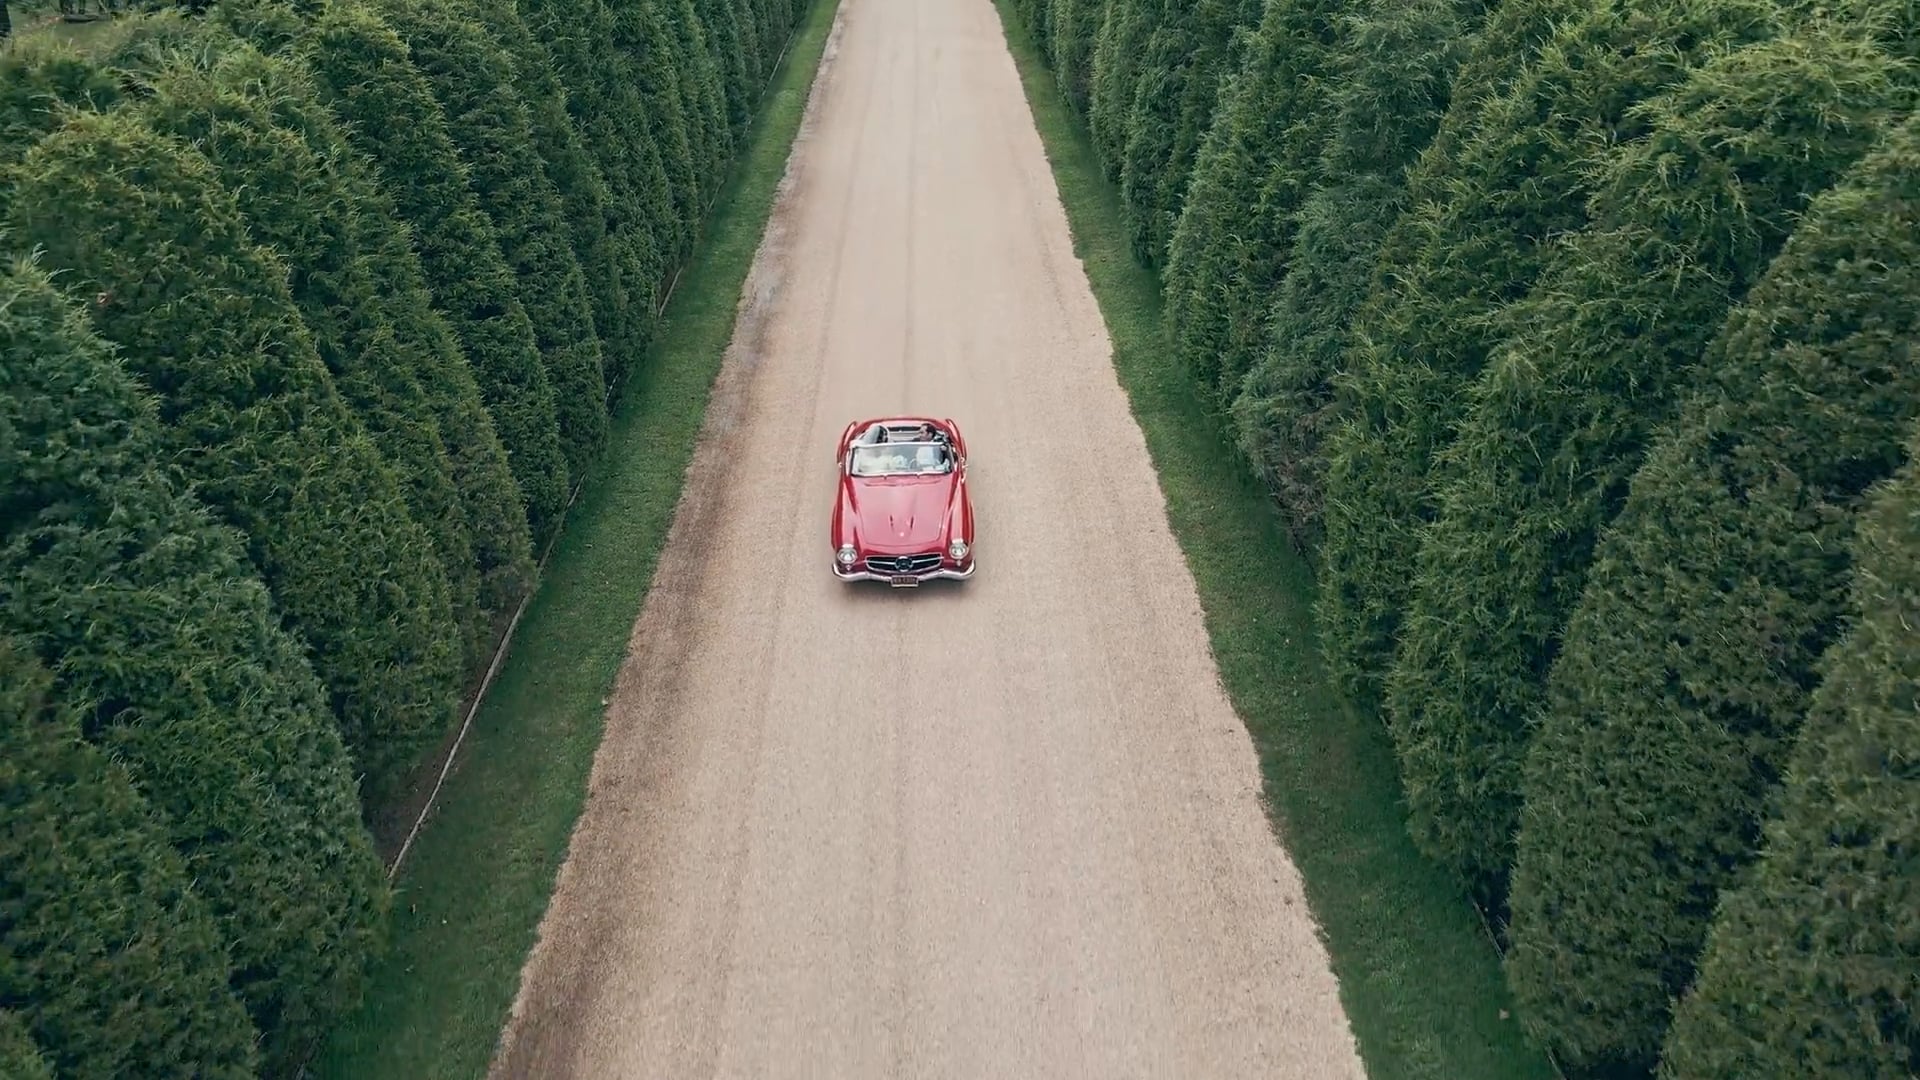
903	564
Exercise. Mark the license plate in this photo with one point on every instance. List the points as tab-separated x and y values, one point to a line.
903	581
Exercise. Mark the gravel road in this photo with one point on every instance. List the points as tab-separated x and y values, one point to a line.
1007	828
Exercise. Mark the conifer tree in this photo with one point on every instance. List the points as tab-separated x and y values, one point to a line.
641	37
1481	219
141	224
94	904
1690	218
211	95
388	109
1391	85
610	266
160	633
1260	158
474	80
1171	111
605	104
1810	967
1125	27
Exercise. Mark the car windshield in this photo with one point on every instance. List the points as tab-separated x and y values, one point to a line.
901	459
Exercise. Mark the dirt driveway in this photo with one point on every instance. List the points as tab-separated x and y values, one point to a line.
1007	828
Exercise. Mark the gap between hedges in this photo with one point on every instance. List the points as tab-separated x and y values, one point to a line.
1419	976
469	899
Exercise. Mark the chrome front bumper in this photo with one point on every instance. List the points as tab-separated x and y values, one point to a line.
903	581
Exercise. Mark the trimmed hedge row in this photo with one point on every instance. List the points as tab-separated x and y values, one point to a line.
94	902
326	309
1811	965
1571	339
1256	165
218	94
161	636
1518	181
475	82
1687	217
1172	105
389	111
203	315
1685	673
1391	76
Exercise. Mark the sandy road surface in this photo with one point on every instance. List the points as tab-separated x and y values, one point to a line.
1007	828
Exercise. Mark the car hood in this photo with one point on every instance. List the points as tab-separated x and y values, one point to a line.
900	515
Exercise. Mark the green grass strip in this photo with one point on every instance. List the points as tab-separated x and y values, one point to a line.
478	879
1419	977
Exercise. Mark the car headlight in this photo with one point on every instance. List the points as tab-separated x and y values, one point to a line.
846	554
957	549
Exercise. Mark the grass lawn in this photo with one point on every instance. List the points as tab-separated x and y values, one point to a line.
1420	979
476	882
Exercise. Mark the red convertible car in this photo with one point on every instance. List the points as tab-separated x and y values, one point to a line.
902	515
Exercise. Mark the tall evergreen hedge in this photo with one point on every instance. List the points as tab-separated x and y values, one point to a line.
423	339
737	62
390	113
1074	27
640	37
474	79
1120	41
107	955
20	1059
161	635
210	95
701	87
1479	225
40	78
1542	471
766	26
1391	80
610	267
1259	159
1813	964
604	101
1172	109
142	223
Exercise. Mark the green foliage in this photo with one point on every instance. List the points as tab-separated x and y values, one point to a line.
423	341
609	266
761	38
1692	215
1391	81
40	77
20	1059
164	638
1259	159
1075	27
389	111
474	80
142	224
1172	108
1125	28
1813	964
700	88
613	122
218	95
1480	220
107	956
737	67
641	36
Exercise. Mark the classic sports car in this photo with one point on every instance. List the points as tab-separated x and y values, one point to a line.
902	515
